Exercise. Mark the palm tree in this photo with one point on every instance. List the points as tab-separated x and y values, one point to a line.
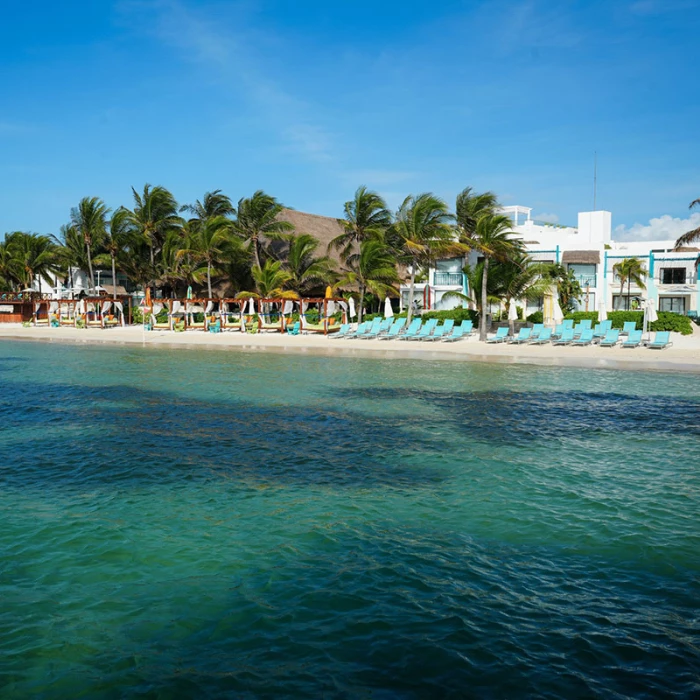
422	233
33	258
256	217
470	207
89	218
306	270
115	237
206	243
153	217
630	270
71	252
692	236
520	278
568	287
214	204
366	216
492	239
270	282
372	267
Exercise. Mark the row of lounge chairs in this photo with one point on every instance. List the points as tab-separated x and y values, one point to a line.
388	329
603	335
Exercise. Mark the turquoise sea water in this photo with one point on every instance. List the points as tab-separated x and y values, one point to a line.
182	524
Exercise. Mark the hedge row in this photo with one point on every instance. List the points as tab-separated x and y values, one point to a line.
668	321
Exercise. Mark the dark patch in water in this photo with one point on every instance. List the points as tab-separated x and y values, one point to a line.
153	437
525	416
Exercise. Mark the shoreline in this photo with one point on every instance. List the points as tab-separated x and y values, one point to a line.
684	356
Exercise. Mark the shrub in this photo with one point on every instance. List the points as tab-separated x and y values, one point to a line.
457	315
537	317
667	320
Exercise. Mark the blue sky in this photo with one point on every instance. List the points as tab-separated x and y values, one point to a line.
308	99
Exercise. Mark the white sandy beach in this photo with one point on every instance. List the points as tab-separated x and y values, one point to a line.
684	355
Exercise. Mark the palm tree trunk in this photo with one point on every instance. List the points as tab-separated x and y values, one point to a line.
360	303
629	292
484	299
256	253
209	277
511	324
114	278
411	290
89	259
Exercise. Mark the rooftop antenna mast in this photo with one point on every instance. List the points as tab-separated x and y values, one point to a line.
595	179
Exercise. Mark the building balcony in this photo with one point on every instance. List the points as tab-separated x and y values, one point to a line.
586	280
448	279
670	281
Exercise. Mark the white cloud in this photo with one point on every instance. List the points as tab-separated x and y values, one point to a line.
662	228
548	217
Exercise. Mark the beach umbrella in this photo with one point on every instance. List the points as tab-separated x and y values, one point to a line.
602	312
147	299
557	313
330	308
189	291
650	317
388	310
512	311
329	292
351	302
251	306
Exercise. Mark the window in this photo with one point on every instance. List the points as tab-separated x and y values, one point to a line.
675	304
672	275
622	303
584	273
449	272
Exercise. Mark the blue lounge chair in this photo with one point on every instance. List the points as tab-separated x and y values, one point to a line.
634	340
467	327
598	331
441	331
537	328
368	330
544	337
558	330
379	329
458	333
394	331
628	327
661	340
500	337
522	337
567	337
359	330
295	329
427	330
586	337
412	330
611	338
568	323
343	332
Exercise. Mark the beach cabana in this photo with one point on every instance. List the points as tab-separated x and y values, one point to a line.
44	310
231	313
327	307
17	308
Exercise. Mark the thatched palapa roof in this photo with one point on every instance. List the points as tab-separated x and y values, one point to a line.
582	257
323	228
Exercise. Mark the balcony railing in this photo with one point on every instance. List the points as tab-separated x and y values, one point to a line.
688	279
586	280
452	279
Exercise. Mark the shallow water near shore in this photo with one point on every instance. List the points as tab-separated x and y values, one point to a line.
212	524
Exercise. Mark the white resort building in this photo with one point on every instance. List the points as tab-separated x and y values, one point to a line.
589	250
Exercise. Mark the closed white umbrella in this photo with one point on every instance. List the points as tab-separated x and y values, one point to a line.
558	314
251	306
602	312
650	317
388	310
512	311
351	302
